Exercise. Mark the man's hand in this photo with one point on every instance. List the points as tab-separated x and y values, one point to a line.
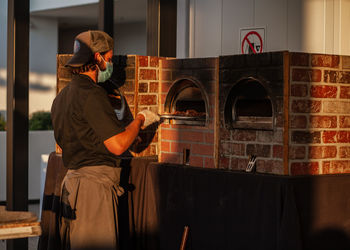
150	117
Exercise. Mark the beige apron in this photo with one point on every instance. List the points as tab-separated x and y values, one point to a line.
89	202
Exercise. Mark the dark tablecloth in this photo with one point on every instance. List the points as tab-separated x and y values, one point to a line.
224	209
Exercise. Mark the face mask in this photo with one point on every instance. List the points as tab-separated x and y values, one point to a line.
106	74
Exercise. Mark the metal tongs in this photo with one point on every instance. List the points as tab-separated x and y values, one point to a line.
180	117
251	163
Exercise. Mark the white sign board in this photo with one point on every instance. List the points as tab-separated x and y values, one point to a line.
252	40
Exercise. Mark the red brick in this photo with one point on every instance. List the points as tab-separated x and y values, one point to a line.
258	150
322	152
336	76
129	86
225	148
336	107
238	149
171	63
178	147
143	87
170	158
343	136
297	152
329	136
298	121
244	135
306	75
269	166
165	146
170	134
165	75
196	161
203	149
299	59
277	151
346	62
153	87
336	136
344	121
224	162
339	167
155	137
147	99
209	138
306	106
209	162
323	91
344	152
241	164
165	87
225	134
304	168
130	73
299	90
129	99
148	74
323	121
162	100
143	61
306	137
330	61
279	121
154	61
263	166
191	136
326	165
275	136
345	92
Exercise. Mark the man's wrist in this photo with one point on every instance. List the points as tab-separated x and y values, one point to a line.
141	118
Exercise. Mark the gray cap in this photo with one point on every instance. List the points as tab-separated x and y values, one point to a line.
86	44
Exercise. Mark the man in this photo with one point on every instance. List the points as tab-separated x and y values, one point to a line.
91	138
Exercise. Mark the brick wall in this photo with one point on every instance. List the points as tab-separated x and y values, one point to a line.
199	140
146	96
319	114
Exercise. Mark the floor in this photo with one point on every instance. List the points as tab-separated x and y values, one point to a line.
32	241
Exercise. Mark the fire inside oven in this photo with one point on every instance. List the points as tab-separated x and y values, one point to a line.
249	106
185	103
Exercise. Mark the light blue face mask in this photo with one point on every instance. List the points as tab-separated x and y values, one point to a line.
105	74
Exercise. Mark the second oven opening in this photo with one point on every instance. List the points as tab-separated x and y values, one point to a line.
249	106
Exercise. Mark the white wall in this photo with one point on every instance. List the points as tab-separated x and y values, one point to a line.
130	38
38	5
40	142
314	26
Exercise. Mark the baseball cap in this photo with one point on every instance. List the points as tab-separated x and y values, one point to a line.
86	44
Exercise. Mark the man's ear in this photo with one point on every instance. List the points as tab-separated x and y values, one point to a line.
97	57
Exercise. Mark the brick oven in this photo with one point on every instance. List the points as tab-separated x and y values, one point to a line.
289	109
253	100
305	99
188	85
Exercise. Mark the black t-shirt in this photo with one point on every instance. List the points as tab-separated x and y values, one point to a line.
83	118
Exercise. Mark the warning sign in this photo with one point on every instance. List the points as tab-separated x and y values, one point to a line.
252	40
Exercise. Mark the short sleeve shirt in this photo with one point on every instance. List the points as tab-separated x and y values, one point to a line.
83	119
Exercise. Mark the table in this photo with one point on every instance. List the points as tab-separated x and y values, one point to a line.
15	224
223	209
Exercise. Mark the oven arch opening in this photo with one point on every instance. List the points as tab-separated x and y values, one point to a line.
249	106
188	101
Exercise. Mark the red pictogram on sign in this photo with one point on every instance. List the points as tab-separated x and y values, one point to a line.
252	43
